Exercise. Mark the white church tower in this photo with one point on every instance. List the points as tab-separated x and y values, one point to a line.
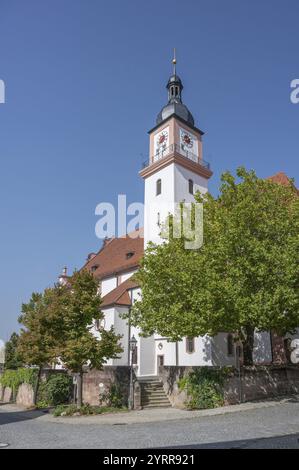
175	170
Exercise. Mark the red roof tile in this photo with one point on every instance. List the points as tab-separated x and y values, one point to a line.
282	178
119	295
117	255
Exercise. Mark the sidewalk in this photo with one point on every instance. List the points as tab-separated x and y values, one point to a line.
147	416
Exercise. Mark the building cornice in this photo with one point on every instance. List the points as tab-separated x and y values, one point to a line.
196	129
175	157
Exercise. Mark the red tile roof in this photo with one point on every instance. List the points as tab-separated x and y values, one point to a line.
117	255
119	295
282	178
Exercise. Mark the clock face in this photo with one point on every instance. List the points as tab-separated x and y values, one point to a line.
161	143
188	143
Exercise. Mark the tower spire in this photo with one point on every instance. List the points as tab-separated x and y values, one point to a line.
174	61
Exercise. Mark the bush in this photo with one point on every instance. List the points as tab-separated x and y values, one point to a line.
112	398
85	410
56	390
204	388
14	378
65	410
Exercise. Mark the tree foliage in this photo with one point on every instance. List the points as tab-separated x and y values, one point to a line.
81	307
244	277
13	359
59	323
40	339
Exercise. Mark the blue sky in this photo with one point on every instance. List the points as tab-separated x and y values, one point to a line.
84	83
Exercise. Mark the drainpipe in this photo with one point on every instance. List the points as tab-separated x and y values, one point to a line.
176	353
129	335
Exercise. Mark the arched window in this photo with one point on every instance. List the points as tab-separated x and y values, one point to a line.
158	187
190	346
230	344
191	186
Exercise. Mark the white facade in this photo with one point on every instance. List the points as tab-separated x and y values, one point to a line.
175	172
166	186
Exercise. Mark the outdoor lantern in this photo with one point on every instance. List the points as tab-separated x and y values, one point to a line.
133	343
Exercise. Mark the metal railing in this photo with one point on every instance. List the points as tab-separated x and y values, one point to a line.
175	148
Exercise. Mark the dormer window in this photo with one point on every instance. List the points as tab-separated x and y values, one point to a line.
130	254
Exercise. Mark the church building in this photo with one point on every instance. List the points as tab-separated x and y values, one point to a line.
175	171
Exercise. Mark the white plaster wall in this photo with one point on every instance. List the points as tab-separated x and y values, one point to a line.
175	189
127	275
109	321
168	351
136	294
163	203
145	353
182	176
108	285
262	351
202	355
219	351
147	356
121	328
113	318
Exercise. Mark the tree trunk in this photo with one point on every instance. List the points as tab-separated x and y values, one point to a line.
248	343
79	389
36	387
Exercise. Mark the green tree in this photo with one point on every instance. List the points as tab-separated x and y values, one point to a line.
80	307
40	339
12	356
245	277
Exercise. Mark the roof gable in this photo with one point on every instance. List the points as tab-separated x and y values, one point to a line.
119	295
117	255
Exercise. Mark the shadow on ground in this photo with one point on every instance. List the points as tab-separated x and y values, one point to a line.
7	417
290	441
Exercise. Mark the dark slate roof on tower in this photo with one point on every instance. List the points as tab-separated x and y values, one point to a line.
175	104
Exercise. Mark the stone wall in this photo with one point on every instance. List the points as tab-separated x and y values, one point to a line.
25	396
5	394
254	383
25	391
100	381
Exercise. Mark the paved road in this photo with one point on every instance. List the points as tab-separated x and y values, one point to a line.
274	426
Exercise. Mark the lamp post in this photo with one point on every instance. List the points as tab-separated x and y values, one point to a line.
133	345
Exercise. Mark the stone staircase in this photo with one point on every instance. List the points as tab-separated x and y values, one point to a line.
152	393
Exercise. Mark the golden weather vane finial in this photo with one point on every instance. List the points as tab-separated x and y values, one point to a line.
174	61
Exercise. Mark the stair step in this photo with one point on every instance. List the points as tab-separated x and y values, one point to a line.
148	379
157	406
153	387
153	390
151	384
155	400
153	394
